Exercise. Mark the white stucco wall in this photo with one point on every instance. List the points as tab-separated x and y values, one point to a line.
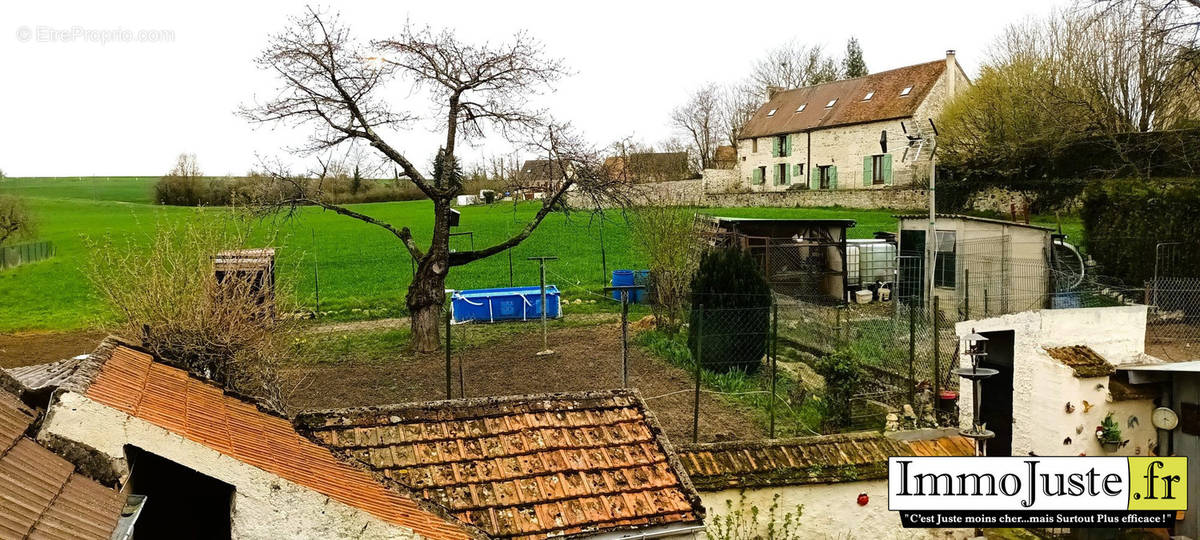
264	506
830	510
1042	386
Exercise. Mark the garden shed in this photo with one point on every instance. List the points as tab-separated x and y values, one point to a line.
801	258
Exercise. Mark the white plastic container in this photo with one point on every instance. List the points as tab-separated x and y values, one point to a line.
863	296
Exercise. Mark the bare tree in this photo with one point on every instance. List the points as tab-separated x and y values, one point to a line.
794	65
15	219
700	119
738	105
333	83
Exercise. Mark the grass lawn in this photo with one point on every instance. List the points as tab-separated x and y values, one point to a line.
362	270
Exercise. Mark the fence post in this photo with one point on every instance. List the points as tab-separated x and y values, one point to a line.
448	390
985	303
912	353
967	292
837	328
699	362
624	338
773	349
937	361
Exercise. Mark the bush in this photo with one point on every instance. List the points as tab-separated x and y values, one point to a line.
843	377
15	219
168	294
736	311
664	236
1125	220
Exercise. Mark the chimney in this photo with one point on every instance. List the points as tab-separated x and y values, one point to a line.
951	72
772	90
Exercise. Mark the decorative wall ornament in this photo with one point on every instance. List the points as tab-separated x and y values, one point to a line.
1070	408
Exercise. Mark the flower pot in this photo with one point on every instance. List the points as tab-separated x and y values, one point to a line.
948	395
1110	446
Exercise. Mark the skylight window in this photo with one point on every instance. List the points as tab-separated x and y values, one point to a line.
831	102
771	112
906	90
869	96
801	107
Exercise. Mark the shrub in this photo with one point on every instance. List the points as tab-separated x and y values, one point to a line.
665	238
15	219
1125	220
843	377
167	293
736	311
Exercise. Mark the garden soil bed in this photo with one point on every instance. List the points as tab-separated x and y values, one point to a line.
28	348
586	358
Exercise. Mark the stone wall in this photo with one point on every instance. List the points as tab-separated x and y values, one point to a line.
900	198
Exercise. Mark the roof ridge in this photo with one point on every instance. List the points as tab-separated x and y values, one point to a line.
867	76
584	395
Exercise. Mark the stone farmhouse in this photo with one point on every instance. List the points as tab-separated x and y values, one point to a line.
828	136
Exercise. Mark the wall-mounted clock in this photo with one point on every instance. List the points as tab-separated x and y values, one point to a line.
1164	418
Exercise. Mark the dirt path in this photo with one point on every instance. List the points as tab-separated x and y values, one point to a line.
27	348
586	358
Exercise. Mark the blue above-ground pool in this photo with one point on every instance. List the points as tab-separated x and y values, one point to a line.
504	304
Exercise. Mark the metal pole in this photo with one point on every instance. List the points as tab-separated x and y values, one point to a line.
625	338
542	281
967	292
699	363
937	361
773	347
912	353
510	268
603	255
448	391
985	303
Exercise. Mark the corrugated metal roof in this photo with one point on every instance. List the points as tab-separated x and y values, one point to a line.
40	494
888	101
523	466
46	376
133	382
844	457
974	218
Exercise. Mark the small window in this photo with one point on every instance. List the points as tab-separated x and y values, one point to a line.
801	107
782	142
906	90
823	176
771	112
754	145
831	102
869	95
877	169
944	264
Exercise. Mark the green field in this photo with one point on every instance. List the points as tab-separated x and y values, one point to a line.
363	271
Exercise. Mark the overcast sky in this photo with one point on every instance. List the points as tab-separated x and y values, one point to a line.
171	77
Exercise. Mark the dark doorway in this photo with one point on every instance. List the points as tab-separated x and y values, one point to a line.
180	502
996	405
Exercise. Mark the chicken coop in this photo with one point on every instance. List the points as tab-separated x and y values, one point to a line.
805	259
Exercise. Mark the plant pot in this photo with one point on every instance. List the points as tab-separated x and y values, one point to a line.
948	395
1110	446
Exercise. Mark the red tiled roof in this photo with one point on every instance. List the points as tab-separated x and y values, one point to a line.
885	104
844	457
132	382
41	496
523	466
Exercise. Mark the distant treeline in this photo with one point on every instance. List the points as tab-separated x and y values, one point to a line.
225	191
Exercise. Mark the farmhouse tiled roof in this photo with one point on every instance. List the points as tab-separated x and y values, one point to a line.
844	457
1083	360
136	383
523	466
41	495
804	109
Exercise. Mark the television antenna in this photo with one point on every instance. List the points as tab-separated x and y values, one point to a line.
918	139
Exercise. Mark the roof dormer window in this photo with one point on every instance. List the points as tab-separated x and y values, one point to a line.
831	102
771	112
906	90
869	95
801	107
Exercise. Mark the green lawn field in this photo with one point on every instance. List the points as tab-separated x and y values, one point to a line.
361	270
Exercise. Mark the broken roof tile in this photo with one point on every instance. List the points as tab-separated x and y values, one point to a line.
1083	360
526	466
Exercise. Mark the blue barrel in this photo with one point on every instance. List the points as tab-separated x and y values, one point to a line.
641	278
621	278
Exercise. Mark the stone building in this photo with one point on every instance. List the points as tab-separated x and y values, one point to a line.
828	136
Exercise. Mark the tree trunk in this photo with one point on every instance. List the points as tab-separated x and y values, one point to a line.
427	292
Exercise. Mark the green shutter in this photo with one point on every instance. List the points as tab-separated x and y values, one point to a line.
868	171
774	146
787	175
833	177
797	171
758	178
814	176
789	146
775	175
887	169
